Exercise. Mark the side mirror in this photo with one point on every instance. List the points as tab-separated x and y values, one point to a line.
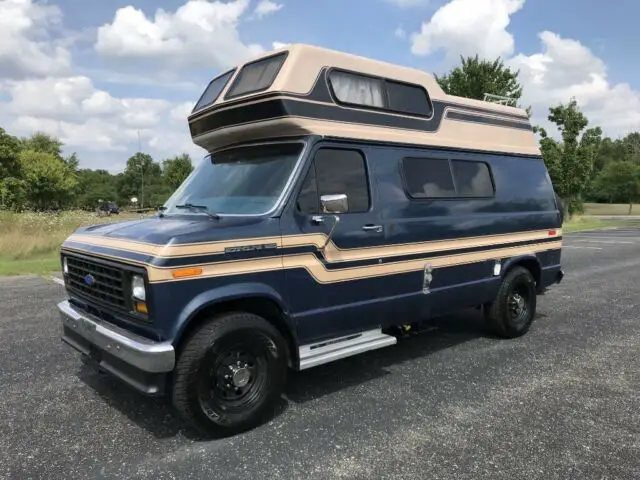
334	203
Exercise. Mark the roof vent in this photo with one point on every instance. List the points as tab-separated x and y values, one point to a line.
500	99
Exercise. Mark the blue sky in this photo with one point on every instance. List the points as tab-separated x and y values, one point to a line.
97	73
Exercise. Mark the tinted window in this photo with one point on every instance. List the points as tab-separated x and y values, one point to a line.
256	76
408	99
357	89
472	179
336	171
213	90
308	201
428	177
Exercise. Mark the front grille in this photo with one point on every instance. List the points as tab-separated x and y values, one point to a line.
108	287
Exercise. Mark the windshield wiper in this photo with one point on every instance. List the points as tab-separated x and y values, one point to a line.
202	208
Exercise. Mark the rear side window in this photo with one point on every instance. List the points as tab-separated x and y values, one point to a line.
441	178
380	93
213	90
428	177
335	171
407	98
472	179
256	76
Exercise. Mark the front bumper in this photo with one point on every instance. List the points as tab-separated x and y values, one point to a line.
140	362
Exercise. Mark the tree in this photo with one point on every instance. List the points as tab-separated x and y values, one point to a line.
142	178
42	142
570	162
93	186
475	77
620	182
9	151
175	170
48	183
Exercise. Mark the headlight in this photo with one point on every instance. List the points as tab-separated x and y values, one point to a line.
65	266
137	288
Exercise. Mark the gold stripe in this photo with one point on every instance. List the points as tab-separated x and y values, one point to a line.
171	251
320	273
332	253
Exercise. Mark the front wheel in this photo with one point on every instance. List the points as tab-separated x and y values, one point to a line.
512	312
230	374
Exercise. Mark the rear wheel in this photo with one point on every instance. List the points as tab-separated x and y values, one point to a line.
512	312
230	374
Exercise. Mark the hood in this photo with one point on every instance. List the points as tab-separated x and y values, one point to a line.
153	239
180	230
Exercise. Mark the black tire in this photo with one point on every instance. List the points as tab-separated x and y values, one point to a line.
511	313
222	354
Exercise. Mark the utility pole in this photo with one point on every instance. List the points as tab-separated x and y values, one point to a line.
141	174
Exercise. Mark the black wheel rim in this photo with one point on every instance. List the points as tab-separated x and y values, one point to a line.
518	304
234	379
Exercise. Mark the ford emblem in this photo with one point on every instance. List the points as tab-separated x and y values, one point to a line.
89	280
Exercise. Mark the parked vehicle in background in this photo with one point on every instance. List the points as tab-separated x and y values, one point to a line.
109	208
344	202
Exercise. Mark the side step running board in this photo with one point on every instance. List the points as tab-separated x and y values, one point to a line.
337	348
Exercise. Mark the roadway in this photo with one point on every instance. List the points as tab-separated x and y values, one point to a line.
560	403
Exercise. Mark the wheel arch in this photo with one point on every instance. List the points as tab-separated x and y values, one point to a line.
530	262
255	298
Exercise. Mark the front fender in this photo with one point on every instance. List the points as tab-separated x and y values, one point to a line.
236	291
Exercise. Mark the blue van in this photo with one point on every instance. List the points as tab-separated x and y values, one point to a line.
343	201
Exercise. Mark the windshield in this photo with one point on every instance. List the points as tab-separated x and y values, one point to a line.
240	181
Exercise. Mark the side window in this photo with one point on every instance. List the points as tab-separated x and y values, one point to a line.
335	171
439	178
472	179
428	178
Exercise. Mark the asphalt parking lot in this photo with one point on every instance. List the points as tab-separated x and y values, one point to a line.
562	402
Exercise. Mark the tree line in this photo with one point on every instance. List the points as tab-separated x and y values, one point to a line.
583	164
35	175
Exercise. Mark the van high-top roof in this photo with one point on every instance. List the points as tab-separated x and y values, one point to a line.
307	90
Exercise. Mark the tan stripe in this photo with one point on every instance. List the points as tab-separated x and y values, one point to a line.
332	253
319	272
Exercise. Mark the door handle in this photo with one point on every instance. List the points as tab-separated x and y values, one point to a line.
372	228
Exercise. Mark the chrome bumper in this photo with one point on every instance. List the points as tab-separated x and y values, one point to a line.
139	352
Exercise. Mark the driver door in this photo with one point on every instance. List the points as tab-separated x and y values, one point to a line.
330	293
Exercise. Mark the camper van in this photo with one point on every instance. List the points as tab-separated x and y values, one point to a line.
343	201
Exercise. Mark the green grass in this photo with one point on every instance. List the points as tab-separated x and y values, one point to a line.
30	242
610	209
577	224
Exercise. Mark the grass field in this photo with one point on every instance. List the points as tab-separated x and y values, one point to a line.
29	242
610	209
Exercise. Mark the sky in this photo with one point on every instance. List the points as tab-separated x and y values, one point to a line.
109	77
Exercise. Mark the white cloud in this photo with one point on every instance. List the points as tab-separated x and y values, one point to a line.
467	27
75	99
266	7
26	46
564	68
277	45
400	32
180	112
197	33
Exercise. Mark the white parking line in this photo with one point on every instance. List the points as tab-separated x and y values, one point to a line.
614	242
57	280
